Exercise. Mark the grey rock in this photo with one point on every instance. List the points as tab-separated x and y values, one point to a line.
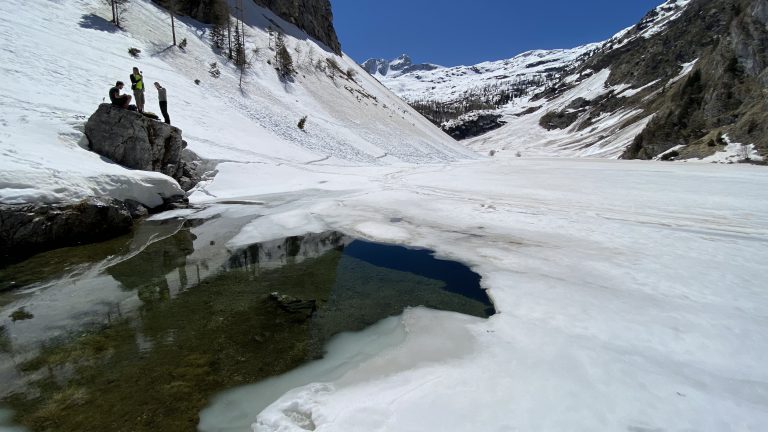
30	228
303	309
558	119
135	141
136	209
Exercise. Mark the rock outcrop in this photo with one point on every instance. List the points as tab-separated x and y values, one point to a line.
30	228
136	141
703	75
126	137
472	125
725	90
313	16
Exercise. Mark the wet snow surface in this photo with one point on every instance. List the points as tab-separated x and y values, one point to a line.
631	296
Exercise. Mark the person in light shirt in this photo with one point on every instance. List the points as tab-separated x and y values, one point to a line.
162	96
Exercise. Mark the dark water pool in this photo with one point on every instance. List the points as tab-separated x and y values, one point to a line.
139	334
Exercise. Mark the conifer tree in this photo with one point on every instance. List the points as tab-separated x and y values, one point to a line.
220	19
283	60
238	46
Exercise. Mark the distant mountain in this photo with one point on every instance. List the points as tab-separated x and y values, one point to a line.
687	78
397	67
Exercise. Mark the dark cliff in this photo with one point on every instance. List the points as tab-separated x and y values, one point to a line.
315	17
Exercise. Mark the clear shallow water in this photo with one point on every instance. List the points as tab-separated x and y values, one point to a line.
139	333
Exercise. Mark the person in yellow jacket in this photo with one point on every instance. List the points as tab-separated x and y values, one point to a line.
137	85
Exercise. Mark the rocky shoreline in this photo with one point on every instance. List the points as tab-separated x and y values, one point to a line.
127	138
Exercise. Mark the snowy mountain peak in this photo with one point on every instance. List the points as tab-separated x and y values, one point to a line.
401	62
655	21
396	67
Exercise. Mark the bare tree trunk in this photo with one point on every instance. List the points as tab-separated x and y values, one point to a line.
114	12
173	24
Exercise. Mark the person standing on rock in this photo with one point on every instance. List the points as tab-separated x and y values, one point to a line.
116	98
162	96
137	85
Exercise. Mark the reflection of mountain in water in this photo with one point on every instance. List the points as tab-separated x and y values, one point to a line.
199	330
276	253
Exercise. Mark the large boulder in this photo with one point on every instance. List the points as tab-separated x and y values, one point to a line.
30	228
135	141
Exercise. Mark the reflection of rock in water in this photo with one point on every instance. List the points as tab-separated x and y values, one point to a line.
156	370
5	341
272	308
276	253
152	265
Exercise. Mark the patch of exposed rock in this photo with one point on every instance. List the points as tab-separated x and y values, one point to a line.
473	125
26	229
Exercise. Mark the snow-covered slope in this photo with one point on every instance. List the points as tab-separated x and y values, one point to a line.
624	304
523	135
59	59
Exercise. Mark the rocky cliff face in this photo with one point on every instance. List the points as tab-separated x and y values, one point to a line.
313	16
724	92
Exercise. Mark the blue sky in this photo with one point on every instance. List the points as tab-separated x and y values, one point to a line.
453	32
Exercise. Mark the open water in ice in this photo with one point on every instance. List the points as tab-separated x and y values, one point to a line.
144	330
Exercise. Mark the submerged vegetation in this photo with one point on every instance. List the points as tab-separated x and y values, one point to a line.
156	367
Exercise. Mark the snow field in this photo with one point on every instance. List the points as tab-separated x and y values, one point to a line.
624	304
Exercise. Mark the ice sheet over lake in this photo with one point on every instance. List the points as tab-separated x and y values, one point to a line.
631	296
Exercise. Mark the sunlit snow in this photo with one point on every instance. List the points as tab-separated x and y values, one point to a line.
631	295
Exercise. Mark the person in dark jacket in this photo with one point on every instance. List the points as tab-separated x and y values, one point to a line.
116	98
137	85
162	96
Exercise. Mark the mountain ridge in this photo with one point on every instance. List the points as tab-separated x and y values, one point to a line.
514	91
